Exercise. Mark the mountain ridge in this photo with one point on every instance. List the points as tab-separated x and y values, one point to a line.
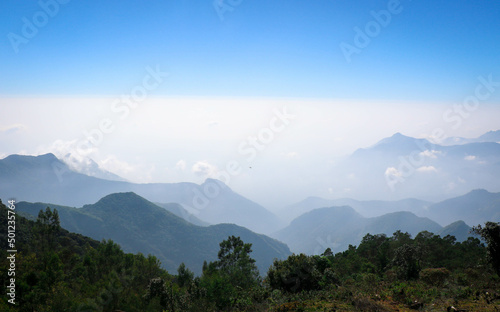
338	227
138	225
45	178
401	167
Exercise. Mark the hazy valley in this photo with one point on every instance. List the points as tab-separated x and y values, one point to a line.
182	224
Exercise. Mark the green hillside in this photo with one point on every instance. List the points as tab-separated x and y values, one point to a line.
140	226
339	227
56	270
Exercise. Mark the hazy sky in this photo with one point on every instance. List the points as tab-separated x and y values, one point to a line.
179	90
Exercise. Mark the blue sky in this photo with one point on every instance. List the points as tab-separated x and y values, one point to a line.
429	51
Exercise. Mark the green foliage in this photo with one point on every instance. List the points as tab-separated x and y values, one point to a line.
407	261
61	271
435	277
235	262
139	225
184	276
491	234
298	273
226	282
383	268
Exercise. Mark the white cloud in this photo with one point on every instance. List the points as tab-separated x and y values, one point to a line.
180	165
113	164
10	129
430	154
203	169
470	157
132	172
89	161
76	159
427	169
392	172
64	149
291	155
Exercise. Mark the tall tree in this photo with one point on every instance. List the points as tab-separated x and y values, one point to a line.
491	234
235	261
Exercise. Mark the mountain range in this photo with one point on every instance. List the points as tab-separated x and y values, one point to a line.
418	186
45	178
491	136
402	167
475	207
138	225
338	227
368	208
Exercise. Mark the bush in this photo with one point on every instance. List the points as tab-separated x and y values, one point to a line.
434	277
295	274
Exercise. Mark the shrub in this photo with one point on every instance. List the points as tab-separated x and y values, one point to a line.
434	277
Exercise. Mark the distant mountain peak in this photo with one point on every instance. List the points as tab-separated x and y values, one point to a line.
42	158
397	143
209	181
398	138
89	167
479	191
457	223
124	202
48	156
492	131
29	162
129	196
492	136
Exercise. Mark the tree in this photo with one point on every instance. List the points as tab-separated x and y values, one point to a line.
491	234
295	274
235	262
184	275
48	225
328	252
407	260
226	280
374	248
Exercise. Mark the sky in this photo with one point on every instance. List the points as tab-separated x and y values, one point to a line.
172	91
